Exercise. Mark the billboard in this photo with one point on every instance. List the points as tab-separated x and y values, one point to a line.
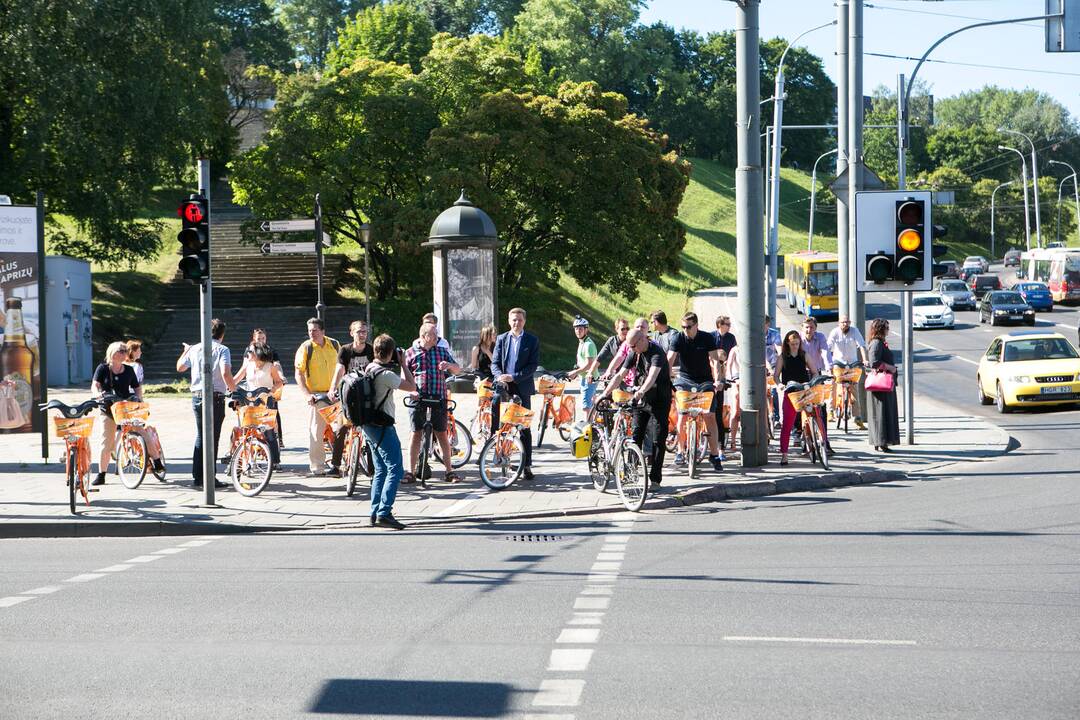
21	265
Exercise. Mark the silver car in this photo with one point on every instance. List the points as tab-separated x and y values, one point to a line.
956	294
977	261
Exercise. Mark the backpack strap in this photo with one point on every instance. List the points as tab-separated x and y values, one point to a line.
311	350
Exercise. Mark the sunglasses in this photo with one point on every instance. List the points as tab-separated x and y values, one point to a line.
687	327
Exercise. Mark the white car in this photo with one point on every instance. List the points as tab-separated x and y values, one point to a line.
931	311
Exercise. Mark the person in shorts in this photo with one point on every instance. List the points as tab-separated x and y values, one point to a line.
585	362
699	364
429	362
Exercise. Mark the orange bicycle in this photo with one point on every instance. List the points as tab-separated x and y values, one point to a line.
250	458
74	427
480	426
330	411
502	459
561	414
135	438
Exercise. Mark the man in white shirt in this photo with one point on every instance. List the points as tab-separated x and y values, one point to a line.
221	384
846	345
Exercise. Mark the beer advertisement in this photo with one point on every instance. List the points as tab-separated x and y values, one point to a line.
20	353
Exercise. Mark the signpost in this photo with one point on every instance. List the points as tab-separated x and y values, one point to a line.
287	225
311	225
287	248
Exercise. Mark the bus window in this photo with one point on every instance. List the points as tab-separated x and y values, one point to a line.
822	283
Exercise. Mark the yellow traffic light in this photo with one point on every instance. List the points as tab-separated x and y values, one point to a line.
909	240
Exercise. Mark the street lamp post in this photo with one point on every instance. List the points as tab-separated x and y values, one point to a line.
813	197
365	235
1076	193
992	196
1027	214
1034	184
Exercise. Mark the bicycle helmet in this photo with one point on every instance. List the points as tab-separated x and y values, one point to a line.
580	322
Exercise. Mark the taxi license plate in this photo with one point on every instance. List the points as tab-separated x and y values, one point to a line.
1055	390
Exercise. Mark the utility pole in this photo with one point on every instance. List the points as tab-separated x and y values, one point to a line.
1034	182
748	231
1027	210
813	198
843	253
320	308
206	310
992	234
1076	192
906	324
855	155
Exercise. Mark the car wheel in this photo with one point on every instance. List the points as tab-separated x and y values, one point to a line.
983	400
1030	323
1002	407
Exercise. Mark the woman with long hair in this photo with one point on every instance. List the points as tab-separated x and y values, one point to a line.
481	352
792	365
882	413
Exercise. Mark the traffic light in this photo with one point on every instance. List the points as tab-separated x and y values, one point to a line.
194	239
910	242
879	267
937	250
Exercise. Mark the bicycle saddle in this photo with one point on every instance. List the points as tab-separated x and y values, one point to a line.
72	411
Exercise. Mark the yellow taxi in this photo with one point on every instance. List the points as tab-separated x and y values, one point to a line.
1029	368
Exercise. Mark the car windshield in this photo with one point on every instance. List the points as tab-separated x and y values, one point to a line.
955	286
924	301
1007	298
1038	349
972	260
1031	287
822	283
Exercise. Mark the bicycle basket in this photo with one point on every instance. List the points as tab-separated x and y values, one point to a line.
515	414
74	427
128	410
851	374
256	415
329	412
550	386
690	400
801	398
621	396
483	390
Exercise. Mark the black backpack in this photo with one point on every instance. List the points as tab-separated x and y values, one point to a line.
357	393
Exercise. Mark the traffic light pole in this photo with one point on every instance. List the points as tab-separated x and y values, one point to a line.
906	326
857	305
206	309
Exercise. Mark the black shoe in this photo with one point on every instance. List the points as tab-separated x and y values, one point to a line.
528	474
158	465
717	465
389	521
221	485
99	480
829	451
371	520
885	448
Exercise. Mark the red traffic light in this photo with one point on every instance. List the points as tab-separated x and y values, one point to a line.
191	211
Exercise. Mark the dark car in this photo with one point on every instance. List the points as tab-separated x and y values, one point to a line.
1012	258
966	273
1002	306
949	269
1035	294
980	284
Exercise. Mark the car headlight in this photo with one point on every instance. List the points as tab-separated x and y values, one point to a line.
1029	311
815	307
1020	378
1001	312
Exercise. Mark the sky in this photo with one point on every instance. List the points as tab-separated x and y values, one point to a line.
908	28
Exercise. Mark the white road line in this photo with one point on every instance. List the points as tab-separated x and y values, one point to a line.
929	347
604	577
592	603
611	556
586	619
47	590
144	559
115	568
617	539
970	362
170	551
569	659
461	504
559	693
85	577
596	591
14	600
606	566
824	641
195	543
578	635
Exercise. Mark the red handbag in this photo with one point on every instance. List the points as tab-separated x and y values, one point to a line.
879	381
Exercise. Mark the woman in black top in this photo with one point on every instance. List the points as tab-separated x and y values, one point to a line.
882	412
117	378
792	365
481	353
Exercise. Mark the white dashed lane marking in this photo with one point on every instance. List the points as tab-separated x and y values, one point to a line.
85	577
47	590
14	600
559	693
144	559
569	659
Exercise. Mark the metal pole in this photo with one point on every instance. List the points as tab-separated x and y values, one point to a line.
206	311
43	317
1034	183
844	257
1076	191
367	280
767	175
1057	234
992	233
748	229
855	158
813	198
906	326
320	308
1027	210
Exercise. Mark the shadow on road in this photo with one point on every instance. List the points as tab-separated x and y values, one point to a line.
422	698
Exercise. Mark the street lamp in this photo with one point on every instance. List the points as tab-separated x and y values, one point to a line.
813	196
1027	215
365	235
774	190
1076	194
1034	183
992	195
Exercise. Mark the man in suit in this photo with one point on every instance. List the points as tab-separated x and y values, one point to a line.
513	363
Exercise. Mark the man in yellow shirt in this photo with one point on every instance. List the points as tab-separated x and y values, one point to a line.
315	362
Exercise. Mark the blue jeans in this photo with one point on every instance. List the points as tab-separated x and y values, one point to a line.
197	452
588	389
386	455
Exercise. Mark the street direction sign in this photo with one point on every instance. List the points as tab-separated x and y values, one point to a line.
287	225
326	241
286	248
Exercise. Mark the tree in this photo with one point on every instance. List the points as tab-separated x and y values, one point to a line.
313	25
458	72
394	32
810	99
253	38
468	17
101	102
358	139
880	144
535	162
1029	111
969	148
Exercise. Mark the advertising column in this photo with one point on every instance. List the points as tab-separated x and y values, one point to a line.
20	307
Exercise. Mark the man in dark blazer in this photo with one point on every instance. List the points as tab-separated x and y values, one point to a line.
513	363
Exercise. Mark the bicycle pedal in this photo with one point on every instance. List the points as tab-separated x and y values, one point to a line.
93	489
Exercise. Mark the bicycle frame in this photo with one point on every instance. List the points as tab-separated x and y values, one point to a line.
78	450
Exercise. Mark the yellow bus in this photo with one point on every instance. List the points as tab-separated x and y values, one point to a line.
811	280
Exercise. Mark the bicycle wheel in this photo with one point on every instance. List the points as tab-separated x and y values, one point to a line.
251	467
847	408
692	447
355	450
131	459
598	470
819	438
461	445
72	479
502	460
632	478
423	470
543	425
839	409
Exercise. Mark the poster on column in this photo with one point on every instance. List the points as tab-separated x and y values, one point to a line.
20	353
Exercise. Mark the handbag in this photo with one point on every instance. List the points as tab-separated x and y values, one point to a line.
879	381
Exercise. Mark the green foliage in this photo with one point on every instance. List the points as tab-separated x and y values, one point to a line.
99	103
395	32
312	25
967	147
810	99
250	26
458	72
1029	111
469	17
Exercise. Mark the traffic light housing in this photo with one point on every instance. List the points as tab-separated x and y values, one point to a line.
937	250
194	238
879	267
910	240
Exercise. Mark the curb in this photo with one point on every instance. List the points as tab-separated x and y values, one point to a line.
126	528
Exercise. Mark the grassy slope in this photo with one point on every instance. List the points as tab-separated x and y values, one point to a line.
708	211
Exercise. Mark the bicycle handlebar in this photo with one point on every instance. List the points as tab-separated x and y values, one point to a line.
414	401
73	411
